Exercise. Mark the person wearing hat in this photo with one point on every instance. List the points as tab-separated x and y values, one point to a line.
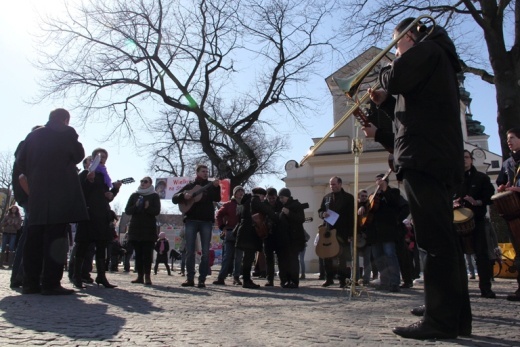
162	246
274	242
291	222
247	239
341	202
227	218
384	229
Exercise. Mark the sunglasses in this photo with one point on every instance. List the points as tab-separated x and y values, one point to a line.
144	181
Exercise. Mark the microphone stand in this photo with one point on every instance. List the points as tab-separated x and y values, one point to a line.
357	149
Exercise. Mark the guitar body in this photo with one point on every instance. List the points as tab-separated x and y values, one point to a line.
328	246
196	193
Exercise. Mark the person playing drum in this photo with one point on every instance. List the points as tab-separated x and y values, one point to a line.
508	180
475	193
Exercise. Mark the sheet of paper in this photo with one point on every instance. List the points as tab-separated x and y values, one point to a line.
332	218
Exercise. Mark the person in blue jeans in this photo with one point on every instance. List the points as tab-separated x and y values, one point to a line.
195	201
227	219
11	223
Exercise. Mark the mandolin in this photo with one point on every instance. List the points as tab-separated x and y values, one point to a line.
373	204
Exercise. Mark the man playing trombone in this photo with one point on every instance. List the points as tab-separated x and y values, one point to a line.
428	145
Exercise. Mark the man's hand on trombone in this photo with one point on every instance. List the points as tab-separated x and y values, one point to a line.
377	96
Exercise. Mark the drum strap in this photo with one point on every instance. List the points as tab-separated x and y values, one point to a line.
516	175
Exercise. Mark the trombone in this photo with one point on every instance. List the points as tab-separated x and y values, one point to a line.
350	85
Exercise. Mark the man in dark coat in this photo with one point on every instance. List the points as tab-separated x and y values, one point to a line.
246	237
341	202
22	199
427	146
475	193
48	159
384	230
196	203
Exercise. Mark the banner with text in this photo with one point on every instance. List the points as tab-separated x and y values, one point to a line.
166	187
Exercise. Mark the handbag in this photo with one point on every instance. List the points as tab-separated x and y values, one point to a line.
260	225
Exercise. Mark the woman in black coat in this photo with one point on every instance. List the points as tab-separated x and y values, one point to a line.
291	222
99	191
246	237
143	205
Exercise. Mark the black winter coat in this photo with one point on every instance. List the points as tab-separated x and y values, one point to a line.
385	225
343	204
428	133
162	257
477	185
293	224
98	227
48	157
246	237
143	225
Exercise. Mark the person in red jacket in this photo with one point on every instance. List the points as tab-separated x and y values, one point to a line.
227	219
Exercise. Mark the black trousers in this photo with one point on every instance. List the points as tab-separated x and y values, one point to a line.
404	256
484	264
44	255
143	256
289	265
341	269
247	264
445	279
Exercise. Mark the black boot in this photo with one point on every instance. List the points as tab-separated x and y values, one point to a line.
168	268
76	273
101	278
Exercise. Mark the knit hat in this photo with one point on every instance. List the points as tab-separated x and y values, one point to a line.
162	235
259	190
237	188
285	192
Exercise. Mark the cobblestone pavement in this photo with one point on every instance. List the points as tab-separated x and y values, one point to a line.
167	314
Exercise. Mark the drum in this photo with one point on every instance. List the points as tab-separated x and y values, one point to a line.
463	220
507	204
465	224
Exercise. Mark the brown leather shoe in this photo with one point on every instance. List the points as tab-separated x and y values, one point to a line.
422	331
327	283
188	283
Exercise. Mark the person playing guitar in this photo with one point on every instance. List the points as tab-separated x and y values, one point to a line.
342	203
196	202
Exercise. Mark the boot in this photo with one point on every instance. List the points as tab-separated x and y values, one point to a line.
3	259
10	260
101	278
139	279
76	273
147	279
168	268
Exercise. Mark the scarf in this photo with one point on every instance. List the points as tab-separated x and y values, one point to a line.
102	169
147	191
161	247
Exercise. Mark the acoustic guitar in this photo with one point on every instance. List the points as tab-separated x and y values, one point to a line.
328	245
196	193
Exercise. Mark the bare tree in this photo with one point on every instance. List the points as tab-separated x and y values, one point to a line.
214	67
6	171
471	23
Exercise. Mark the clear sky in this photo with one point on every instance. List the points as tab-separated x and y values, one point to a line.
19	85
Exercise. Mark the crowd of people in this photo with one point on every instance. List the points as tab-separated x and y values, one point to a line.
394	233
